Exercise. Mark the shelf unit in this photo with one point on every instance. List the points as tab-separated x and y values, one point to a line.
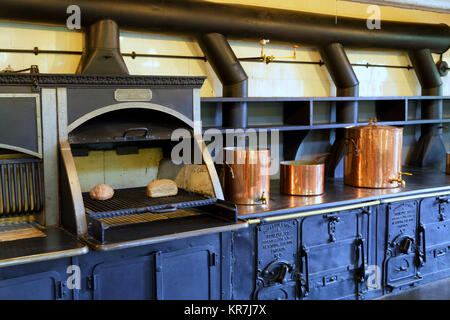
317	113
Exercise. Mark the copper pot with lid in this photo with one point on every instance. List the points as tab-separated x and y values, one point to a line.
247	176
373	156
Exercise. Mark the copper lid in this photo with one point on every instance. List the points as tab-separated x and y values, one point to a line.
374	126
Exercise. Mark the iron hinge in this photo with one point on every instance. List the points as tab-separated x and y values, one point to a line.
442	202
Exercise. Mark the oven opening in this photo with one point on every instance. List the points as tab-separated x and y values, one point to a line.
21	196
126	150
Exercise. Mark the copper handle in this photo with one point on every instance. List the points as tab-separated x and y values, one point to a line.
320	156
355	147
231	170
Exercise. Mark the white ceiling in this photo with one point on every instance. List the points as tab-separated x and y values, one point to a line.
428	5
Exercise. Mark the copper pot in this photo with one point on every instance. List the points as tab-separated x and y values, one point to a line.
247	176
302	178
448	162
373	156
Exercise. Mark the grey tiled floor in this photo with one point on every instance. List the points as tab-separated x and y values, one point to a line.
438	290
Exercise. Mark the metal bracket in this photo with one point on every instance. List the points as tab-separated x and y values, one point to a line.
442	67
442	200
332	221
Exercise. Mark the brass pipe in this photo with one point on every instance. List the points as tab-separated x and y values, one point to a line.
315	212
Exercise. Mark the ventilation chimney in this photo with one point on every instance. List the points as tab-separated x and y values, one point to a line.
347	85
430	149
101	50
231	74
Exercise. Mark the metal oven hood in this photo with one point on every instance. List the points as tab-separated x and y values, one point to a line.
101	50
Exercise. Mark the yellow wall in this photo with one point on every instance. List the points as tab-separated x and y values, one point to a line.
265	80
124	171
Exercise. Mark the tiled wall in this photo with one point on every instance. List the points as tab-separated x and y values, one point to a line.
265	80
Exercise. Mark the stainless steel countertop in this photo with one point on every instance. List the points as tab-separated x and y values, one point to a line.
338	194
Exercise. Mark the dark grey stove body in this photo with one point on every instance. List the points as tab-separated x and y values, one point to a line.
348	244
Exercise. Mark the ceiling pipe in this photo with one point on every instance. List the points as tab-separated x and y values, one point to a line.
347	85
231	74
101	50
191	17
430	149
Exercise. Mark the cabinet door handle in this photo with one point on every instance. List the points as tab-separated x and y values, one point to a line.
424	247
362	268
305	266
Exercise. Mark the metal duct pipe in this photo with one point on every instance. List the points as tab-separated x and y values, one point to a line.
234	21
231	74
101	50
347	85
430	149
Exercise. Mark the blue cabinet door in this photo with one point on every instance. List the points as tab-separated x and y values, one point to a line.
39	286
130	279
401	254
191	274
334	254
434	237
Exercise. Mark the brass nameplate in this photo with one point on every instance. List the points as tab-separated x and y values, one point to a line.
133	94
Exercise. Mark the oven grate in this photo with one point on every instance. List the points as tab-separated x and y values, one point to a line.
21	187
145	217
135	200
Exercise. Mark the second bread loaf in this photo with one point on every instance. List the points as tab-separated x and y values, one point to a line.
162	188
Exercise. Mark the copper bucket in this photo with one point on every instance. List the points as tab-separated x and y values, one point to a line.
373	156
302	178
247	176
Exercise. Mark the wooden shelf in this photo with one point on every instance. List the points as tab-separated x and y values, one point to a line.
331	99
319	113
324	126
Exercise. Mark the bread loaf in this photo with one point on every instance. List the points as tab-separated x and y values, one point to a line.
162	188
101	192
